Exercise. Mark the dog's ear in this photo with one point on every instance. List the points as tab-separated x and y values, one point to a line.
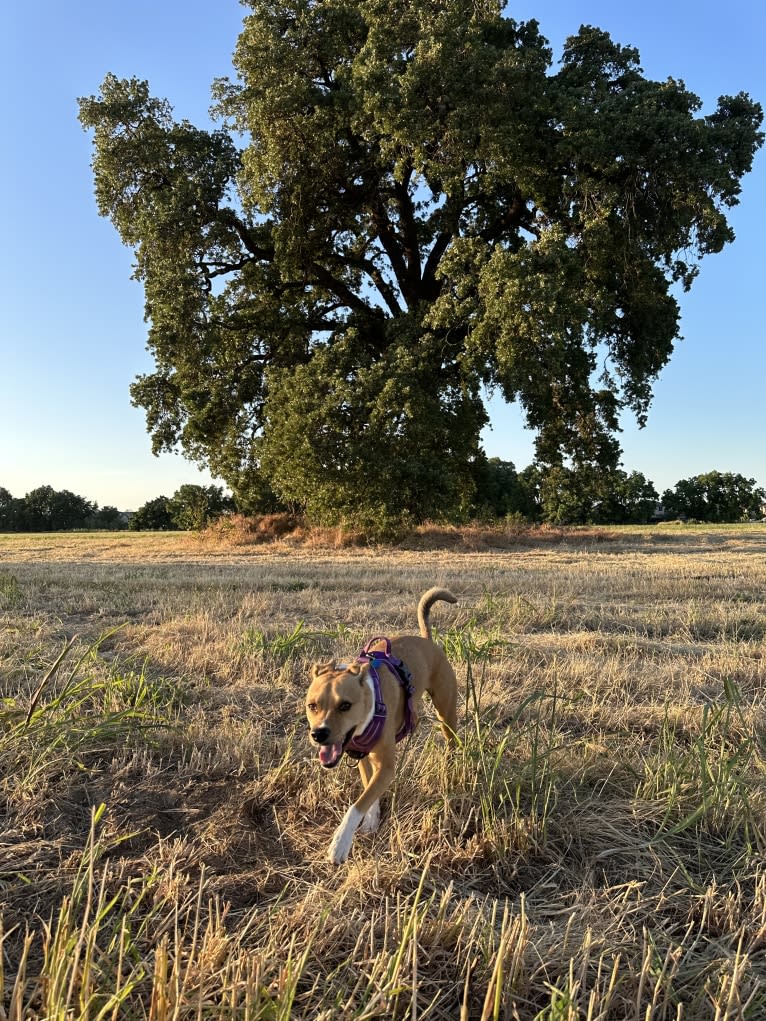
359	670
322	668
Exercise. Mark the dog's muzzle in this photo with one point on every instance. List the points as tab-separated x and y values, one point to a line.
330	753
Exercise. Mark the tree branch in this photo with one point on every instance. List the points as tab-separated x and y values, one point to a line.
515	215
440	246
222	268
323	276
230	219
385	289
409	230
450	215
386	234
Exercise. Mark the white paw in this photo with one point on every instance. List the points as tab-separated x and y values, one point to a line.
340	845
371	820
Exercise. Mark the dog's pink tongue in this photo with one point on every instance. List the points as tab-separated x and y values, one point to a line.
329	753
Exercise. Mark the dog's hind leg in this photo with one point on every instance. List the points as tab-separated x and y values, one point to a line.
444	699
371	819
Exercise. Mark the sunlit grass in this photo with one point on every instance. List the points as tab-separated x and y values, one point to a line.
591	847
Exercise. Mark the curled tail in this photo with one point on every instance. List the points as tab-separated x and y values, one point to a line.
427	600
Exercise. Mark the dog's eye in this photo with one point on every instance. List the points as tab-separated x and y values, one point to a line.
344	707
312	707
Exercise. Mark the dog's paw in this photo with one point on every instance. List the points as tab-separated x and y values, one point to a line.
371	820
340	845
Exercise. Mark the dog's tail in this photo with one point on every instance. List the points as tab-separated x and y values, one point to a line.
424	607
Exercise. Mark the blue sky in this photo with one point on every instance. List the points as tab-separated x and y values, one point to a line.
72	336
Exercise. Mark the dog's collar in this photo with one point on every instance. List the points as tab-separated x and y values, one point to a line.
360	745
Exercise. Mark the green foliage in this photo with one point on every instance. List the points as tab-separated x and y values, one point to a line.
10	511
190	508
10	592
44	509
193	507
704	783
592	494
109	518
633	500
566	495
502	492
47	510
95	708
715	497
394	441
279	647
420	209
154	516
285	647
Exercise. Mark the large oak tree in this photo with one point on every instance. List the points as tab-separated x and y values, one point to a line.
405	205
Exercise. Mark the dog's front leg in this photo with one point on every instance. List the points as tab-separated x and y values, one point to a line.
340	845
371	819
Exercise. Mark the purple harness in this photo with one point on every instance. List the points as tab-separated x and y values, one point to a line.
360	745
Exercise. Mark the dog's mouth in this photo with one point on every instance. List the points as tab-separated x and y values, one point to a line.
331	754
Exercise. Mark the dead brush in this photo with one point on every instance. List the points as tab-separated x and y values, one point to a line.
241	530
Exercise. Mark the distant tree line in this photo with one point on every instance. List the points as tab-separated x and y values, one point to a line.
557	496
565	496
48	510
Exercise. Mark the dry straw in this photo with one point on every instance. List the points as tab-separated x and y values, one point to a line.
593	849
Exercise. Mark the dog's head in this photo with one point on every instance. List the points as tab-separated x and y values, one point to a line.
339	703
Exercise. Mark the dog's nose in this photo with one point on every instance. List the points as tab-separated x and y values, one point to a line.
320	734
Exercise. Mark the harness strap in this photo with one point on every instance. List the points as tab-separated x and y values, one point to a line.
360	745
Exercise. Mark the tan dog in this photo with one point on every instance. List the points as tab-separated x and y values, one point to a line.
344	717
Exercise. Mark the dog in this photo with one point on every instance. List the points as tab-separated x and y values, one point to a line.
363	708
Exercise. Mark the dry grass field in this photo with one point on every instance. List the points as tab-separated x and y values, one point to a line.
594	848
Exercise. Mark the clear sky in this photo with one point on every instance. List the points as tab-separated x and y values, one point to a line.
72	336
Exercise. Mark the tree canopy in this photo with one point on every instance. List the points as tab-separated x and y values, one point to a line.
190	508
405	206
45	509
715	497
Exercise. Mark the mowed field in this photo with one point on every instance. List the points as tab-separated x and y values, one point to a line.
594	847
